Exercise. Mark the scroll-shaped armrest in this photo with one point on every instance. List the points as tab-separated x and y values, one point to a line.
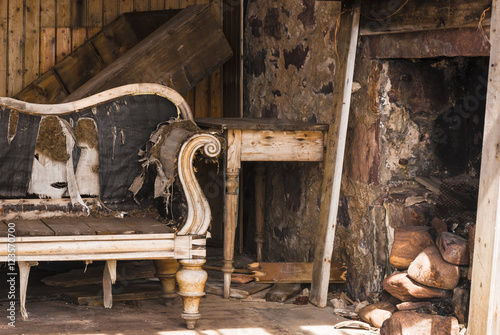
199	215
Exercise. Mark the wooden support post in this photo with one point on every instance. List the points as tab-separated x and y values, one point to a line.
346	46
260	193
191	279
484	317
231	210
165	271
108	279
24	273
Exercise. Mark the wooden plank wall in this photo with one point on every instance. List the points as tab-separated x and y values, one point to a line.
36	34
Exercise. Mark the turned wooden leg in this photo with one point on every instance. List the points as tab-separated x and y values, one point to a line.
108	279
24	273
165	271
233	165
191	279
260	193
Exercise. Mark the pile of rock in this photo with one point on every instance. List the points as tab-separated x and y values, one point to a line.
431	262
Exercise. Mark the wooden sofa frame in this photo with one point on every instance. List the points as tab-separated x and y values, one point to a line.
185	246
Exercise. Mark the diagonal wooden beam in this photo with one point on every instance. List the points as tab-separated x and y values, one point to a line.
347	37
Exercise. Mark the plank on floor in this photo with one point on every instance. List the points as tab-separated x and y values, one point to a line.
293	272
69	226
32	228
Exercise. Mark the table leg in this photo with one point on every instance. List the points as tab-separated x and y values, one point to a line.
231	204
260	193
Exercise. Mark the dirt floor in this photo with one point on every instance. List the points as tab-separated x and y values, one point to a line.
50	312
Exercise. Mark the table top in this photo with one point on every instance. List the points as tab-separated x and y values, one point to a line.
248	123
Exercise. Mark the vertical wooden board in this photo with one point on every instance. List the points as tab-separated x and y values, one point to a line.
141	5
172	4
110	11
347	42
47	49
202	103
231	25
95	17
63	13
185	3
16	47
216	97
63	43
189	97
202	2
32	45
157	4
3	47
48	13
484	307
78	37
79	13
126	6
216	93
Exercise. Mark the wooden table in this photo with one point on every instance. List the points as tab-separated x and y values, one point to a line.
258	139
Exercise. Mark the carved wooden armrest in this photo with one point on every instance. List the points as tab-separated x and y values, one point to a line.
199	215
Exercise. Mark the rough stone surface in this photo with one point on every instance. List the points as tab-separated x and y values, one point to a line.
460	303
411	305
412	323
404	288
453	248
377	313
409	241
430	269
439	225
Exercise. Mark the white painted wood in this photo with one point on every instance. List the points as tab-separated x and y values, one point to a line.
484	309
24	272
275	145
199	215
74	238
108	279
96	99
94	247
323	255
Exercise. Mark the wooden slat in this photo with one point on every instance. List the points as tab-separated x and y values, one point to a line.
45	89
202	104
141	5
172	4
146	225
47	49
105	256
104	226
157	4
126	6
48	13
32	228
78	37
277	145
68	226
110	11
294	272
63	43
63	12
32	46
189	96
16	47
3	46
79	14
185	3
484	307
347	36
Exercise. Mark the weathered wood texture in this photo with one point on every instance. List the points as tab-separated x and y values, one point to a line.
35	35
377	15
342	86
484	317
195	33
